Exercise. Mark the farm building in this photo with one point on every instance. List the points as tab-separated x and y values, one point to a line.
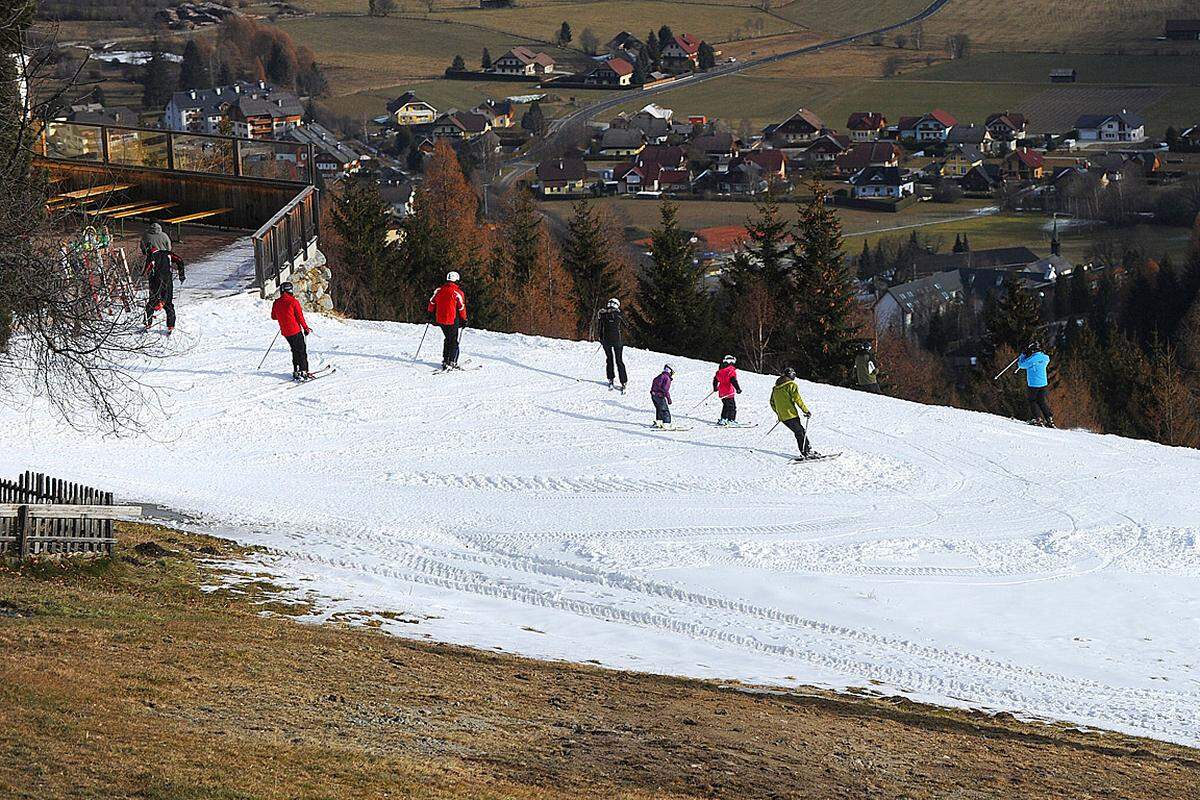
1063	75
1182	29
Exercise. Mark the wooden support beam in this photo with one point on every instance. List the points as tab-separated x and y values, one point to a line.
68	511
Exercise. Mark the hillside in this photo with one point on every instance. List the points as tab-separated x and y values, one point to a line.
947	555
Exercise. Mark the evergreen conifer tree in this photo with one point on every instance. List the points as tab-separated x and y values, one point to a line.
485	60
194	70
674	311
707	56
1012	319
593	274
365	279
156	79
866	269
564	34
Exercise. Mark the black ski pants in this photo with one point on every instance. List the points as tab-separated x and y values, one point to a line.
729	409
796	426
873	388
1038	405
612	355
662	409
162	290
299	352
450	344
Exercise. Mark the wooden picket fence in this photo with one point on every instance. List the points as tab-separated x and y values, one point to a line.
44	515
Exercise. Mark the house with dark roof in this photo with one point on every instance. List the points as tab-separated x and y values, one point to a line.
252	110
675	181
931	127
332	158
455	124
97	114
803	126
977	136
983	178
881	182
961	159
1063	75
265	117
625	45
774	163
561	176
908	307
672	157
1007	128
1118	127
1182	29
524	62
823	150
408	109
868	154
620	143
654	128
999	258
614	72
718	149
682	53
1024	164
865	126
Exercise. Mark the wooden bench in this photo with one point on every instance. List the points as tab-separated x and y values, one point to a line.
90	192
192	217
136	212
109	210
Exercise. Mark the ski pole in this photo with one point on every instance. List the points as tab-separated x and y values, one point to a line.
422	342
804	437
773	427
264	358
1006	369
702	402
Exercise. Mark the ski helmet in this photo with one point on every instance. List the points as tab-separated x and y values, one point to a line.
789	373
729	360
667	368
286	287
1034	346
614	303
452	277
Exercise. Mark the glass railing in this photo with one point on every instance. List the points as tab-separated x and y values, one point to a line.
175	150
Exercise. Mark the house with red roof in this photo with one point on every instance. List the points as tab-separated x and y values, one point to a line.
631	178
930	127
682	53
865	126
613	73
1007	128
868	154
1023	164
774	163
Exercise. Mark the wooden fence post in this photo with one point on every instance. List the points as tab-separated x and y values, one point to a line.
22	531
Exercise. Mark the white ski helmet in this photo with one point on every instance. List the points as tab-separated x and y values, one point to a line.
667	368
452	277
729	360
614	303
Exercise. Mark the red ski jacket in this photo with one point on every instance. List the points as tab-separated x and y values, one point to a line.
448	304
290	315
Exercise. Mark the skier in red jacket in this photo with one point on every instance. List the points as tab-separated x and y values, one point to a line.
449	308
288	312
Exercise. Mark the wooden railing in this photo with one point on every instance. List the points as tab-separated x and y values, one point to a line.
40	514
288	237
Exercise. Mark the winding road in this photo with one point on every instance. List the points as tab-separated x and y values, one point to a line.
519	166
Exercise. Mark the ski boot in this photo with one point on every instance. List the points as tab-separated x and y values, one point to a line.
170	330
622	388
611	385
1049	422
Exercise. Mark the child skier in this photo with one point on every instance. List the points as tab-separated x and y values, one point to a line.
449	308
610	321
1034	362
287	311
788	405
162	289
865	371
660	395
725	384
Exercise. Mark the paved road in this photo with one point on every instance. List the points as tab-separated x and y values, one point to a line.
523	163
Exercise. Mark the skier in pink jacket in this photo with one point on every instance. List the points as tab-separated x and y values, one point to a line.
725	384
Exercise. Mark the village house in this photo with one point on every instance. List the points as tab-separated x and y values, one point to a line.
654	128
1063	75
977	136
773	163
868	154
675	181
499	113
625	45
612	73
682	53
931	127
243	109
717	149
456	124
408	109
909	307
524	62
887	182
631	178
673	157
97	114
332	158
1119	127
982	179
996	258
1007	129
961	159
1023	164
865	126
620	143
822	151
561	176
803	126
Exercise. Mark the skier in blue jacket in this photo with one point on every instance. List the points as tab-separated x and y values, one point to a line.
1034	362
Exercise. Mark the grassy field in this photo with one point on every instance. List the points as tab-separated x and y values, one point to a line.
363	52
121	678
1035	68
849	16
444	95
1052	26
714	23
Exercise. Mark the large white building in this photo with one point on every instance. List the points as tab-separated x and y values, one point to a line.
251	110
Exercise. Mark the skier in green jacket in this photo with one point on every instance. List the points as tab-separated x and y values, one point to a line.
788	405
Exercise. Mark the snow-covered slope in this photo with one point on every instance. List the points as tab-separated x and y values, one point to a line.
952	556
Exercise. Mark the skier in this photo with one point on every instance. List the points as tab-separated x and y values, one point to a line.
610	321
155	238
660	395
1034	362
287	311
725	384
162	290
865	370
449	308
788	405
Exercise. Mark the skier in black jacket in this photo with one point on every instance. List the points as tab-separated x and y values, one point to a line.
162	290
610	322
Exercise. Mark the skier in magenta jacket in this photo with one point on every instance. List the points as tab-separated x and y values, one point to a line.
725	384
660	395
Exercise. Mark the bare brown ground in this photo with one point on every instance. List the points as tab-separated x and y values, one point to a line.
121	679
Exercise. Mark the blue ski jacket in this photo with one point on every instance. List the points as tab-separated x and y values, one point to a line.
1035	369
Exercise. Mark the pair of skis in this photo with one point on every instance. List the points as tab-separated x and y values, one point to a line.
466	366
323	372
